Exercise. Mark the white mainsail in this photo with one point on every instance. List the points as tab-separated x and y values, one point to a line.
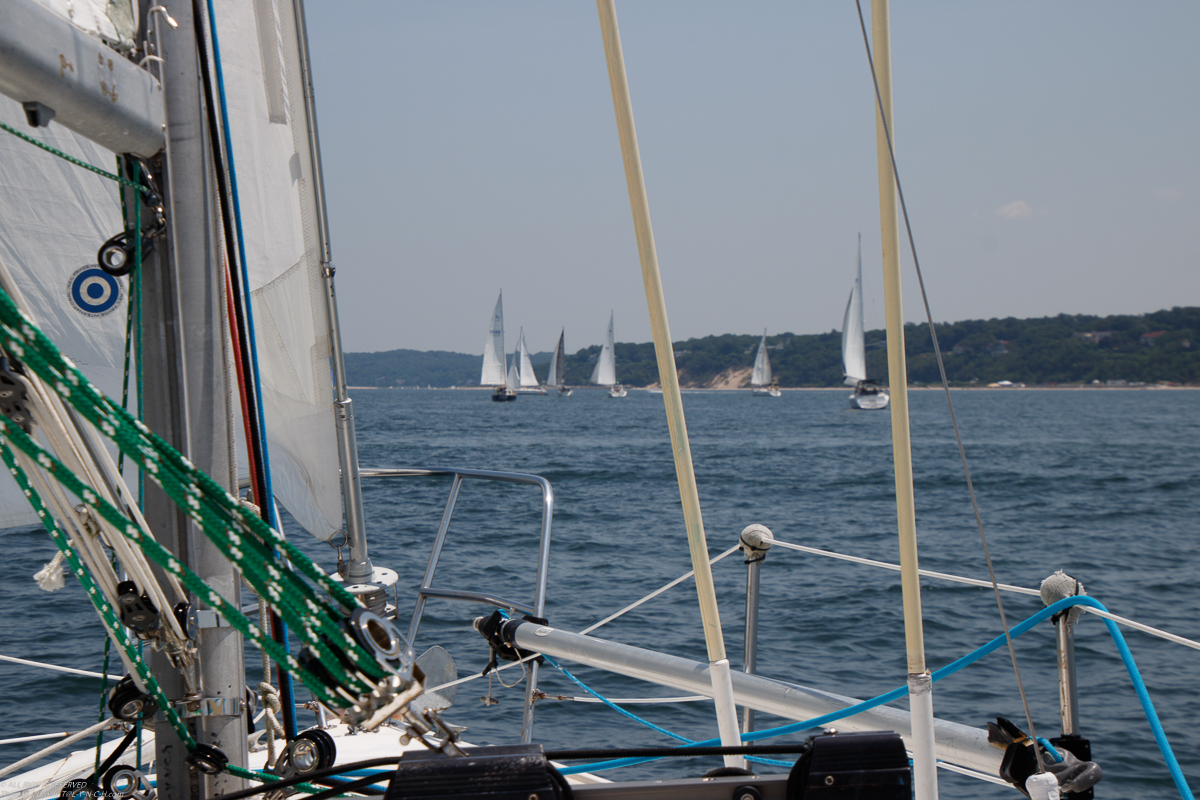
854	354
270	143
53	218
558	364
605	373
528	378
761	375
493	348
513	379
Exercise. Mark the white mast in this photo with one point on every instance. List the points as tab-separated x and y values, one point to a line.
920	685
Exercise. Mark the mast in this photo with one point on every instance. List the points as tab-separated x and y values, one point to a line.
184	403
722	681
360	568
920	685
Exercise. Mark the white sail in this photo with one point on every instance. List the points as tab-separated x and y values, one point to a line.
528	378
761	375
53	218
513	379
493	348
605	373
270	143
558	364
854	354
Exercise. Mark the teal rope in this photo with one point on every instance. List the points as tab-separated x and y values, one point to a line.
1126	657
646	722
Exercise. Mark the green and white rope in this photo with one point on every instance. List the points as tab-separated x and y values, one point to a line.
108	614
228	524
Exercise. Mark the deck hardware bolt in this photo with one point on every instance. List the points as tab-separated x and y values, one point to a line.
829	780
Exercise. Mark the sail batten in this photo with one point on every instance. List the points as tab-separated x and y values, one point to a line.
493	373
605	373
854	354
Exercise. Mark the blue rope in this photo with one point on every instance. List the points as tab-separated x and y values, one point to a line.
289	710
1126	657
642	721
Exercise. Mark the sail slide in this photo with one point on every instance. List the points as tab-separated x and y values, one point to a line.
493	348
279	213
605	373
55	217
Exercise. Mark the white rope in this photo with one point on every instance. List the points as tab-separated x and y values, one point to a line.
896	567
70	740
657	592
1170	637
57	668
271	707
37	738
691	698
979	776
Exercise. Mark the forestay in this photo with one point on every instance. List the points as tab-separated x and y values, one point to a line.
276	192
55	217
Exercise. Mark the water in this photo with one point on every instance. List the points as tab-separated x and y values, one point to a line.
1098	483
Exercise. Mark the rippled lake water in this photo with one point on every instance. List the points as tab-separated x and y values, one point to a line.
1102	484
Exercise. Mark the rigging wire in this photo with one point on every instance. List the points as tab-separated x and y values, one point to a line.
937	350
246	356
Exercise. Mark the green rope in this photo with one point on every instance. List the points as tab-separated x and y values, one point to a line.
108	615
73	160
232	527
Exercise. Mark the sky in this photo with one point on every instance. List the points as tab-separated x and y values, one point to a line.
1047	152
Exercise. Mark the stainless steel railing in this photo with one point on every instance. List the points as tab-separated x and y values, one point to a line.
427	589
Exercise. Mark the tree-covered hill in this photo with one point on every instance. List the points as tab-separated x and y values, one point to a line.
1162	346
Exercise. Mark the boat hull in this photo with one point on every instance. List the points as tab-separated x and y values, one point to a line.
869	396
767	391
503	394
617	391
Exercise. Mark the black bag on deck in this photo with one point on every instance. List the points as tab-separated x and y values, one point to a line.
852	766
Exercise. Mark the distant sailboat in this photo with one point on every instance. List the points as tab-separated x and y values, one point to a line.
868	394
558	368
760	378
605	373
527	379
512	381
493	373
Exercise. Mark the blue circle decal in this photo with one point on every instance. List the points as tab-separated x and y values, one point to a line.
94	292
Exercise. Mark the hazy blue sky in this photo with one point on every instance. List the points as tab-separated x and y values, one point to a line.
1047	149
